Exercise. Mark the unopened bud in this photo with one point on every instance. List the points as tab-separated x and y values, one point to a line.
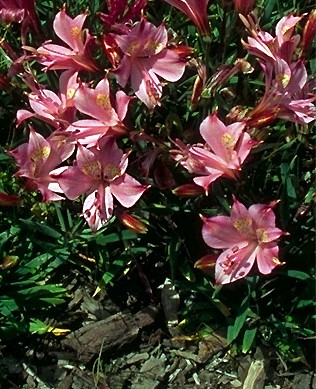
309	33
188	190
9	261
132	223
207	262
244	6
262	119
8	200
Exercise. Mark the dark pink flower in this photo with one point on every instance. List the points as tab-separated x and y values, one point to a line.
247	235
196	10
145	58
101	172
121	14
20	11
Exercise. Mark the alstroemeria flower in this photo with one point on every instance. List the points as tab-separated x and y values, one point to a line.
196	10
101	173
226	149
97	104
20	11
76	57
145	57
37	159
263	45
121	14
286	94
50	107
247	235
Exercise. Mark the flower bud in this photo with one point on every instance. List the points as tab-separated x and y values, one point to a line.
9	261
8	200
132	223
188	190
262	119
309	33
207	262
244	7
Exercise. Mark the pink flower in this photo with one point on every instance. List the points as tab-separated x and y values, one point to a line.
226	149
145	57
97	103
246	235
263	45
101	172
286	95
196	10
20	11
244	6
121	14
75	57
50	107
37	159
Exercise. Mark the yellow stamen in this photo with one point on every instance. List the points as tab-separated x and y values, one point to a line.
92	169
111	171
243	226
103	101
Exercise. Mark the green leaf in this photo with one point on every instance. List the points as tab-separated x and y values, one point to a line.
234	330
297	274
249	337
103	240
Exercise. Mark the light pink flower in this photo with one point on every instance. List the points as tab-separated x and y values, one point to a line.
56	109
286	93
101	173
226	149
37	159
247	235
196	10
145	58
76	56
266	47
97	103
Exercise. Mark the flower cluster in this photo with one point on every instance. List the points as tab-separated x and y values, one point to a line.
88	148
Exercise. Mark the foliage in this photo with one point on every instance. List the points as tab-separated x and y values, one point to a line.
42	241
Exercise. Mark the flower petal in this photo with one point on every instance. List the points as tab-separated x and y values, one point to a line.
218	232
232	265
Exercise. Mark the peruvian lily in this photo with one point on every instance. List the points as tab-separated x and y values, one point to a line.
97	104
101	172
20	11
145	57
266	47
226	149
50	107
196	10
286	94
37	159
75	57
121	14
247	235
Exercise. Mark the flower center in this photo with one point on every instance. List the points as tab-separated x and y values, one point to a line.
244	226
262	235
110	172
103	101
40	155
228	141
92	169
75	32
284	79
